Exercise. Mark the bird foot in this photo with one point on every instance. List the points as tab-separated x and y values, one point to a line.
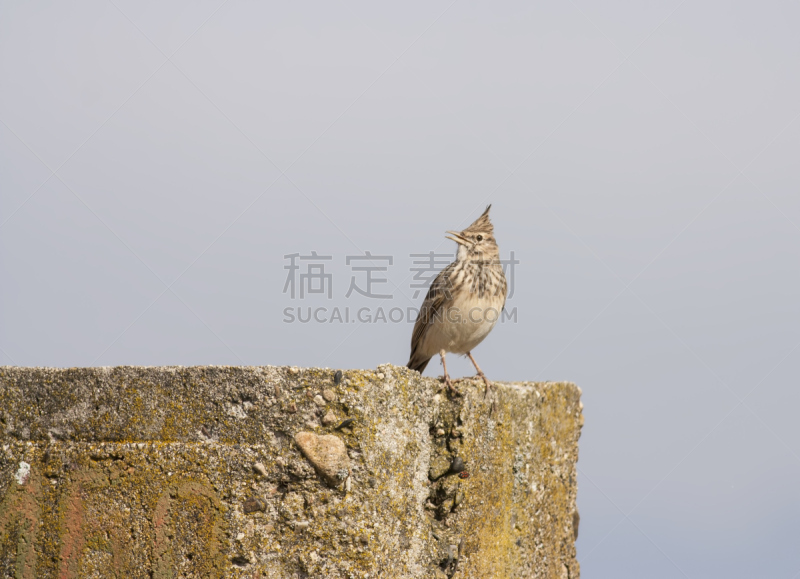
449	383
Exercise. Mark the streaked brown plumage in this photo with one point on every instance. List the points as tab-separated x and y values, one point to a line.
464	301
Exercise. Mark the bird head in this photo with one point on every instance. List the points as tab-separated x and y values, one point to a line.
477	241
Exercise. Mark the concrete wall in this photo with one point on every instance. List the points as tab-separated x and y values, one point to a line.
283	472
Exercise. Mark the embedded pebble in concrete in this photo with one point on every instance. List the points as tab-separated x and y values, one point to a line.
327	453
329	418
328	395
457	465
252	505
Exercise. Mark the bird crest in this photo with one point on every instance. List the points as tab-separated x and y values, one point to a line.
482	223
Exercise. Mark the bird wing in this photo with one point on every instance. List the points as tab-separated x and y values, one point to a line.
438	294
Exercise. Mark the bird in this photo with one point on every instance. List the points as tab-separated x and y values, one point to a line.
463	302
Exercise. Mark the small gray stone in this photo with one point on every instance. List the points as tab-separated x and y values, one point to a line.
457	465
319	400
260	469
329	395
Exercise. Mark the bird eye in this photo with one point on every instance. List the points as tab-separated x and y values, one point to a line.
479	238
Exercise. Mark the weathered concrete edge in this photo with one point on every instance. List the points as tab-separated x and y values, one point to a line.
104	409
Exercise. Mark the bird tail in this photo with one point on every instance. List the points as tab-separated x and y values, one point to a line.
418	364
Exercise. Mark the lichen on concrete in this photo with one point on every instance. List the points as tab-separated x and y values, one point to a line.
195	472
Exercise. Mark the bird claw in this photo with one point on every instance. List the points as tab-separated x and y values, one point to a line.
489	385
489	388
449	383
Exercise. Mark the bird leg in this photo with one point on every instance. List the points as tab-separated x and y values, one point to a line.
447	380
480	373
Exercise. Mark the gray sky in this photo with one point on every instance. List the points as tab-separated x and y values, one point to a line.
641	159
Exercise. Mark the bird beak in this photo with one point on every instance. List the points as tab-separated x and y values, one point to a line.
457	237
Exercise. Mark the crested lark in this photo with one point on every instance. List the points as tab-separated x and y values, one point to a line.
464	301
